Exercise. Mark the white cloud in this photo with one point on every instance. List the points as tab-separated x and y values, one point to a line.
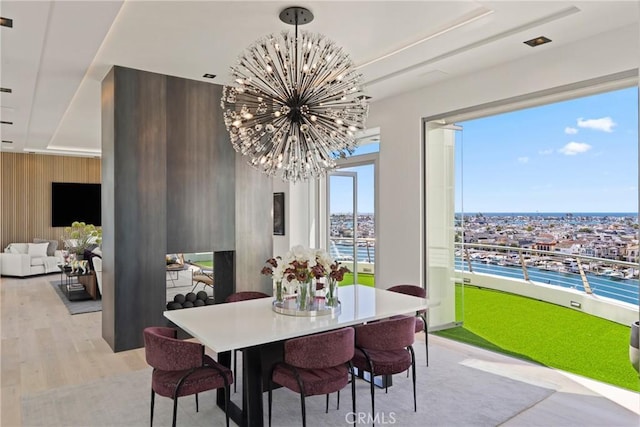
570	131
523	160
573	148
546	152
604	124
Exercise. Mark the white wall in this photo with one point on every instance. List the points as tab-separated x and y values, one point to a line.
399	119
299	225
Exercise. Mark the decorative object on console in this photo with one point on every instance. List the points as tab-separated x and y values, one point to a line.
80	236
297	103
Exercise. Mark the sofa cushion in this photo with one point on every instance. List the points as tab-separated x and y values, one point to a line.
18	248
37	260
51	249
37	249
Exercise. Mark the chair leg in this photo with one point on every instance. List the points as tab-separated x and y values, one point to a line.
353	392
227	393
413	371
270	399
304	412
175	411
338	404
235	369
197	408
326	410
153	398
373	402
426	338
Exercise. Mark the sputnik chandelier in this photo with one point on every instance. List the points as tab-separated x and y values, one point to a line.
296	104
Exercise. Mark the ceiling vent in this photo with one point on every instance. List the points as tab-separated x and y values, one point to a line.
209	76
4	122
5	90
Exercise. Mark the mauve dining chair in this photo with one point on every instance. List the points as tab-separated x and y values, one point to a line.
421	316
315	364
180	368
385	348
242	296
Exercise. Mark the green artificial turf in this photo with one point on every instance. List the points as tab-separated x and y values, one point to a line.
548	334
363	279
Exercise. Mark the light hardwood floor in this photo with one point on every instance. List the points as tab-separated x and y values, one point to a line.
43	347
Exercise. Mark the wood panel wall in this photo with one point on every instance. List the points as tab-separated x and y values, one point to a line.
26	192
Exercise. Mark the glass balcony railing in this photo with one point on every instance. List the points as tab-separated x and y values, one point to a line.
603	277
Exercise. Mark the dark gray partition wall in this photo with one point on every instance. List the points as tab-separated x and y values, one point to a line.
169	185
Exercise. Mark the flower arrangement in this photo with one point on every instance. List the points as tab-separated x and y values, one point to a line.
300	266
79	236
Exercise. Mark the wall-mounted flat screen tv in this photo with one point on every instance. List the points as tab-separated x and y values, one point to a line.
75	202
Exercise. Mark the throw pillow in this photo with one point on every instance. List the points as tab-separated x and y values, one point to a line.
51	249
18	248
38	249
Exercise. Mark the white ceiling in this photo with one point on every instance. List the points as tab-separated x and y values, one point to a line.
57	52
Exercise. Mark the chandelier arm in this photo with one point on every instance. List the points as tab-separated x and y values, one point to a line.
253	68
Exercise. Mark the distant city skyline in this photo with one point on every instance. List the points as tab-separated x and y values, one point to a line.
579	155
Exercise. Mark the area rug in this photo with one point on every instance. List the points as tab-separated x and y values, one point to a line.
76	307
449	394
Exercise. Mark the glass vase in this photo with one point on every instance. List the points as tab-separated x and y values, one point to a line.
279	296
303	298
332	293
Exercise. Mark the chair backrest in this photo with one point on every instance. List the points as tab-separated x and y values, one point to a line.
322	350
416	291
245	295
391	334
166	353
97	267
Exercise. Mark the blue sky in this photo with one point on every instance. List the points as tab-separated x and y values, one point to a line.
574	156
579	155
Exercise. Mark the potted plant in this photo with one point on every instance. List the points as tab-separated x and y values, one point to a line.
79	236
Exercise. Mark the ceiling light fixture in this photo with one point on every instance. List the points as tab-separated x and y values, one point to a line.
6	22
4	122
6	141
537	41
297	102
5	90
209	76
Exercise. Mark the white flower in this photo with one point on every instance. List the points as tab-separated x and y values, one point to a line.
278	272
300	253
323	258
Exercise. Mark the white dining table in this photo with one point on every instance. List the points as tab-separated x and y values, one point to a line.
255	328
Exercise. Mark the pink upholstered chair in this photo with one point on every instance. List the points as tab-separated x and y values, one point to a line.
421	316
385	348
180	368
242	296
316	364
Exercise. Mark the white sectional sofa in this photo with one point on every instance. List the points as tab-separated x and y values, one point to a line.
28	259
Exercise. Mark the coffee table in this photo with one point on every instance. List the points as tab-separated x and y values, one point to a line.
82	288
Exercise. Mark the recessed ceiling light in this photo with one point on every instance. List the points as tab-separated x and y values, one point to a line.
5	90
209	76
6	22
537	41
4	122
6	141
